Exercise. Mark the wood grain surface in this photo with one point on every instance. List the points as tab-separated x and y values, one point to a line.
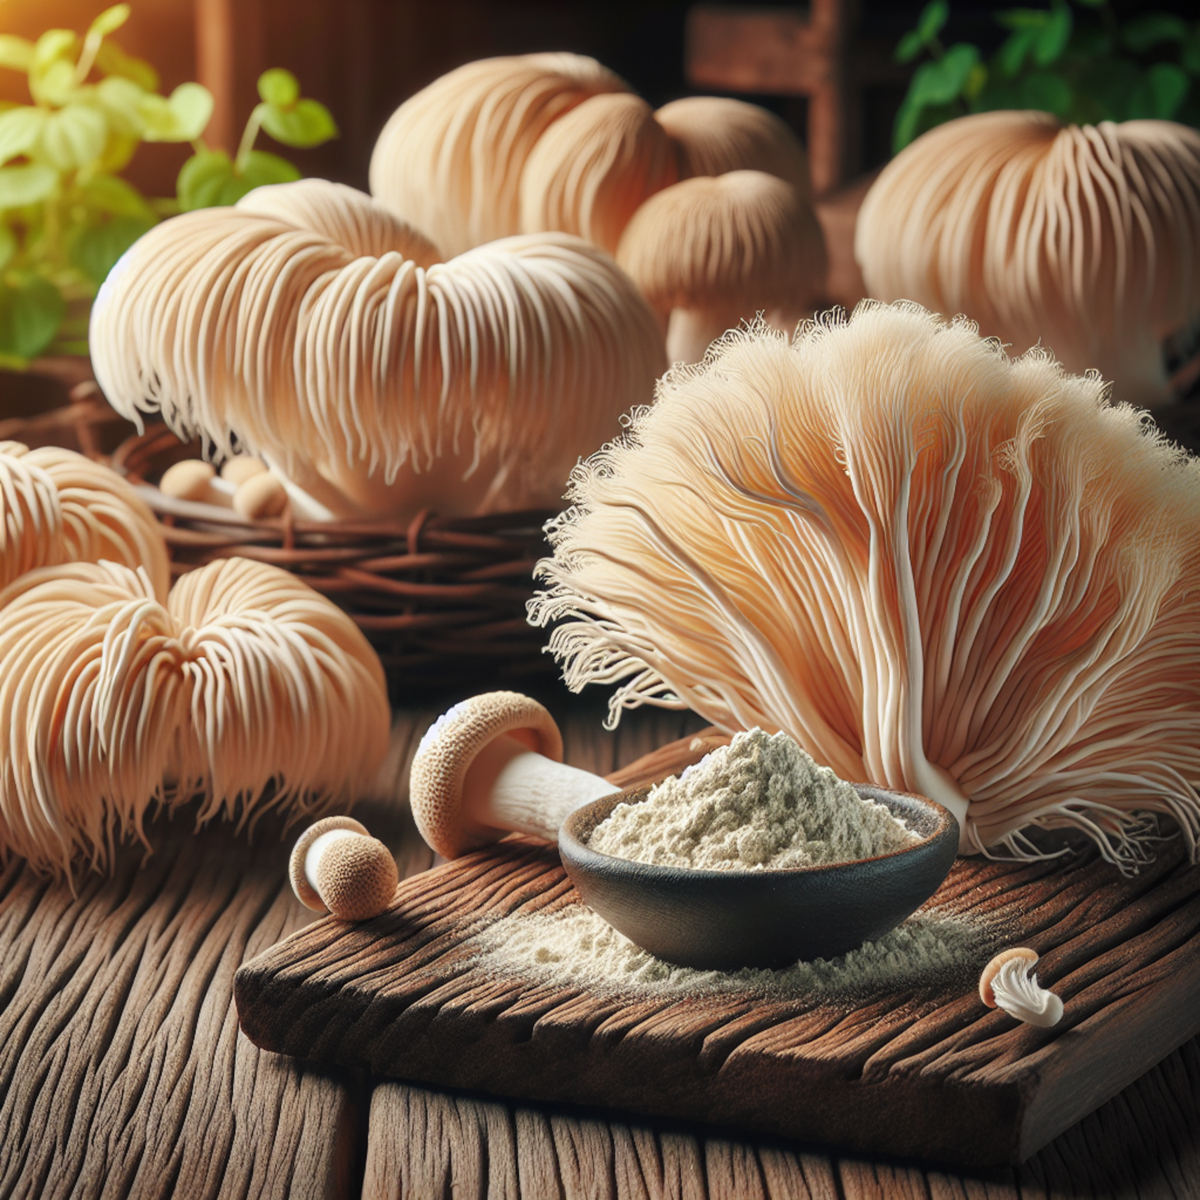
925	1070
122	1073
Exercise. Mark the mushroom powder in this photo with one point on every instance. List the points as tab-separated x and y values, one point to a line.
760	803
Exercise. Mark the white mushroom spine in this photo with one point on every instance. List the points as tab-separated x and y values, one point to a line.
1018	992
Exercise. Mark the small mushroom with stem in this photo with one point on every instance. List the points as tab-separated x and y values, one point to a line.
1008	982
709	252
337	866
491	765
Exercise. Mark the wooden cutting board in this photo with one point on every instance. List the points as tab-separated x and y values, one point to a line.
924	1072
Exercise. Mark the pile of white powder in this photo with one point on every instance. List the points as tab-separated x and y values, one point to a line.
759	803
574	947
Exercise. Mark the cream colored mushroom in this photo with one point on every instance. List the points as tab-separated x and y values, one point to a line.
450	158
245	687
593	167
1083	239
240	467
941	570
1008	982
490	765
716	134
337	867
370	384
710	252
57	506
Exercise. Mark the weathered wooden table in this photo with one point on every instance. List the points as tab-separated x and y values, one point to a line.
123	1072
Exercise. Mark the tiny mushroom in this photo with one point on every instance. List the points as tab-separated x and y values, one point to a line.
338	867
1084	239
712	251
494	764
1008	982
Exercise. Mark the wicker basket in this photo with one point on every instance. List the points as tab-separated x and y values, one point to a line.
441	599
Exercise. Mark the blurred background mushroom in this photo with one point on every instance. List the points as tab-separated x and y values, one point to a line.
373	384
1084	239
712	251
591	169
450	158
939	569
57	506
246	685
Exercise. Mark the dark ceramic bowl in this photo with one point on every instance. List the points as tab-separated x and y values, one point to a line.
730	919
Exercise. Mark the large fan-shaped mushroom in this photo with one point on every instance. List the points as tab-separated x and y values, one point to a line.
57	506
939	569
375	384
1086	239
246	684
450	158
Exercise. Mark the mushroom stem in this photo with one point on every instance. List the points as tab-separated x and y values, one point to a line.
514	788
690	332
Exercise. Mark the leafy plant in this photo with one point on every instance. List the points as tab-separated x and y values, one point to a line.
1080	62
66	215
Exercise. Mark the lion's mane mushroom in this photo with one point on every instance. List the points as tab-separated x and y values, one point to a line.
450	158
57	506
716	135
1085	239
372	383
246	685
709	252
491	765
939	569
593	167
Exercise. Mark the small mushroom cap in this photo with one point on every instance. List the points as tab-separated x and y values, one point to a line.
188	480
300	885
447	751
241	467
262	495
357	878
988	976
741	241
717	134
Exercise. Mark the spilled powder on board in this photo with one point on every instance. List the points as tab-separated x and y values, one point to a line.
574	947
760	803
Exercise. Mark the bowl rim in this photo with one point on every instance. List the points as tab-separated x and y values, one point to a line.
946	821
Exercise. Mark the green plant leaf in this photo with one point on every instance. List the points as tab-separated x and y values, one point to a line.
933	17
1013	52
279	87
20	129
95	250
1023	18
117	152
1167	85
52	46
942	81
909	46
203	180
261	168
1052	38
29	183
109	21
121	101
8	246
30	314
16	53
73	137
112	60
54	84
1151	29
1045	91
181	117
114	197
308	123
